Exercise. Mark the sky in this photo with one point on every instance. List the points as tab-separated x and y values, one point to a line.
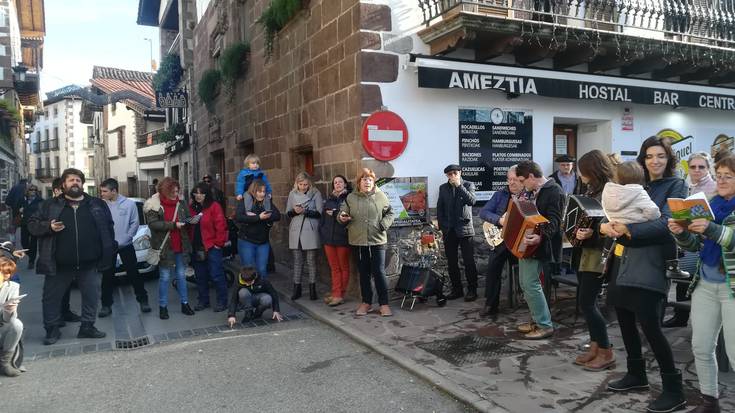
83	33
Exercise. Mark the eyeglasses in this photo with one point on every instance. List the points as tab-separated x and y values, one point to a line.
724	178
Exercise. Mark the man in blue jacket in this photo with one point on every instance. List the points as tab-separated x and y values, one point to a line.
493	212
76	239
125	216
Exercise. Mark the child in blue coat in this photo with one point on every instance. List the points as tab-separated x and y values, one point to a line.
250	172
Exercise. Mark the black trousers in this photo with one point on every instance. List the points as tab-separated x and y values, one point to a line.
55	287
28	242
498	257
681	295
452	244
130	263
648	315
590	285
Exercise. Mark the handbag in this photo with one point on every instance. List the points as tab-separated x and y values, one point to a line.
154	255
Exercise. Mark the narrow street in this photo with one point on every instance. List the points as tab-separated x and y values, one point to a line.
296	365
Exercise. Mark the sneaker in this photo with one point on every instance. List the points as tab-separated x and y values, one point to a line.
363	309
186	309
53	334
163	313
335	301
385	311
105	311
526	328
89	331
539	333
248	315
144	307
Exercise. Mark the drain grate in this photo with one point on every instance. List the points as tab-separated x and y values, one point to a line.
132	344
468	349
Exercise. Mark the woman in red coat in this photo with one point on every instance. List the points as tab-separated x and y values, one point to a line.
208	234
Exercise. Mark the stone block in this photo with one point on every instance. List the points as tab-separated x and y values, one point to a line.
375	17
348	71
369	40
397	44
371	98
344	25
378	67
329	80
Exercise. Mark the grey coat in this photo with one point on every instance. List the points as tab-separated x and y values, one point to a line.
643	262
303	232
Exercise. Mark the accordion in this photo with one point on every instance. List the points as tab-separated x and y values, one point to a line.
581	212
522	219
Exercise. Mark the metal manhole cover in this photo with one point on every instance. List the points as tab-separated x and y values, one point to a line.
132	344
468	349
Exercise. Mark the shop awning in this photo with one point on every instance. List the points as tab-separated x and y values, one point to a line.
442	73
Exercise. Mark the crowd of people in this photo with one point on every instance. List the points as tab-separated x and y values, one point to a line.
630	253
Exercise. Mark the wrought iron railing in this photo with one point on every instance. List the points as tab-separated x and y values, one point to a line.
53	145
707	21
44	146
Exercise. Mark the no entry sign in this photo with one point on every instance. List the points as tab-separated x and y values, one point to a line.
384	135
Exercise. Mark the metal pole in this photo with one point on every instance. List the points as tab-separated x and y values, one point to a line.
150	43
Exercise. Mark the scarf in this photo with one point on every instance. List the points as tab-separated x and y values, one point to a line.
305	199
711	252
169	207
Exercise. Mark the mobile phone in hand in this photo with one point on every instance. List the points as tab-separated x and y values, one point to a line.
16	299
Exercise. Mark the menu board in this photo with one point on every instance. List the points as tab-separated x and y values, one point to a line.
408	199
491	140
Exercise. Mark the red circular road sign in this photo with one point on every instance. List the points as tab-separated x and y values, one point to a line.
384	135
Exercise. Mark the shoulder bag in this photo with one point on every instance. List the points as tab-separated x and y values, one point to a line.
154	255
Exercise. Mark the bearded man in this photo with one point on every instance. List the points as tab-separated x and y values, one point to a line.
76	240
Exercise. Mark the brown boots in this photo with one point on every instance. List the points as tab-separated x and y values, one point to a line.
596	358
582	359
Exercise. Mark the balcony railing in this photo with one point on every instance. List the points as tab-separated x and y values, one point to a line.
53	145
702	21
44	173
44	146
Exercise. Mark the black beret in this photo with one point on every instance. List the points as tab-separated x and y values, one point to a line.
564	158
452	167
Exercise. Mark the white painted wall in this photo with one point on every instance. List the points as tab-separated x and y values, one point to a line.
120	166
431	115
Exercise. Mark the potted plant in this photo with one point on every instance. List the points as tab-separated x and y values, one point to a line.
208	87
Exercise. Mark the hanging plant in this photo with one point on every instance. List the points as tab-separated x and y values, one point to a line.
234	62
275	17
169	74
209	87
9	111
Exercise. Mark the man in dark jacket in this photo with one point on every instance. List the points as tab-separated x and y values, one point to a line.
454	213
493	212
549	199
76	240
29	206
565	176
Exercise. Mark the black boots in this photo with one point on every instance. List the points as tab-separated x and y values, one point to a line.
296	292
634	379
163	313
673	272
53	334
709	405
680	319
312	292
105	311
672	396
456	293
88	330
186	309
471	295
144	307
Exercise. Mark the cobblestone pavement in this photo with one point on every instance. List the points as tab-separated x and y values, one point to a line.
485	363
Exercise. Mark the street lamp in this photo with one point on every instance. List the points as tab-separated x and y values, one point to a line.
150	43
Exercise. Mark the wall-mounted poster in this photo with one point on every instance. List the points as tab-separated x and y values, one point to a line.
408	198
491	140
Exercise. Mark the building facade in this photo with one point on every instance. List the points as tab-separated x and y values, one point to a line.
60	140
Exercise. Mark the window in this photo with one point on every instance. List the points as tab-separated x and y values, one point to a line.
45	134
56	111
56	133
121	142
113	108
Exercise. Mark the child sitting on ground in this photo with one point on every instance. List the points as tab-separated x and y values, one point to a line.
255	295
250	172
11	328
626	201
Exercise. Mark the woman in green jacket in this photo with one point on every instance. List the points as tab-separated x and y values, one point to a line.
368	216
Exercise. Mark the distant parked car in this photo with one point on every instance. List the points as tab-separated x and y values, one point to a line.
141	243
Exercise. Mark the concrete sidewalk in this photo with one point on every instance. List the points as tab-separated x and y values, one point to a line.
486	364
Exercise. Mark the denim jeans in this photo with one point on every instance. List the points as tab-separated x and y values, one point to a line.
371	264
260	301
211	269
165	277
711	304
529	270
254	255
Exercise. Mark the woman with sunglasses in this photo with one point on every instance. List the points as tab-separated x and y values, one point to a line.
700	180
